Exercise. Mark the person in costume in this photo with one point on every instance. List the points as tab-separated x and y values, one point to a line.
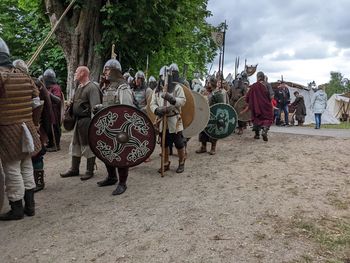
169	103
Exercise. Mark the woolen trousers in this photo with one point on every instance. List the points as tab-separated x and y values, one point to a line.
18	178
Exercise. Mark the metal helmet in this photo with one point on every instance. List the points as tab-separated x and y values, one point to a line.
21	65
113	63
260	75
140	74
162	71
197	75
126	75
49	73
3	47
174	67
130	80
152	79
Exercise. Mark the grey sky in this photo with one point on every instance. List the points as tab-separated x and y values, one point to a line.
303	40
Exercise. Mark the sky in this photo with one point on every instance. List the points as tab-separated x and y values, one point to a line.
303	40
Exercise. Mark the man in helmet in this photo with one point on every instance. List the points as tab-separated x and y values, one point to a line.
152	82
168	101
215	96
19	139
86	97
116	91
235	92
259	101
140	91
197	84
57	100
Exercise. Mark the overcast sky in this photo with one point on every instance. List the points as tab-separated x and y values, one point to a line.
303	40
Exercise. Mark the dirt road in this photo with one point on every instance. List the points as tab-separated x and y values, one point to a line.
286	200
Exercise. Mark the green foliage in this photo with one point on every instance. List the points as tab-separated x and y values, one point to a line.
23	26
335	84
167	31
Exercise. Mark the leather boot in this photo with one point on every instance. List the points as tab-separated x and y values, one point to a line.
182	157
39	180
123	176
74	170
29	203
257	133
16	212
213	148
166	161
203	148
90	165
264	133
111	178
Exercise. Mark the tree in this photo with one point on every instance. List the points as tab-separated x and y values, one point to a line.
165	30
335	84
23	25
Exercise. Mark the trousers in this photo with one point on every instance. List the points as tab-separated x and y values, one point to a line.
18	178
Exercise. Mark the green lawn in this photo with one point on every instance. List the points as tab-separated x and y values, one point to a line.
343	125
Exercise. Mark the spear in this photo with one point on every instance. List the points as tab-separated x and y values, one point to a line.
164	123
40	48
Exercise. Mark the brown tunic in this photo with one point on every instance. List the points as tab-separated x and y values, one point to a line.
15	109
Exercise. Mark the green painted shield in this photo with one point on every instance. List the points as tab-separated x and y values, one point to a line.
222	122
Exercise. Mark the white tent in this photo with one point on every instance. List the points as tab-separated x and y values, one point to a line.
327	117
339	105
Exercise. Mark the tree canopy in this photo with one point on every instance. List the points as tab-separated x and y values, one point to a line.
164	30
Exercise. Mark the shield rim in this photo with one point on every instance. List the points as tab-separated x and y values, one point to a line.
2	186
152	128
195	112
235	126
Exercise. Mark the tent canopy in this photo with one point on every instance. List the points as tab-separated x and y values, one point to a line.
327	117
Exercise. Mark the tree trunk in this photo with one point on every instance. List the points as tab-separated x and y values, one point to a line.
78	34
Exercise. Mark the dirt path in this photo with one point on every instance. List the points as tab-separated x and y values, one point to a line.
282	201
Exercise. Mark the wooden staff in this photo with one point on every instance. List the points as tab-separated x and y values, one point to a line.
113	54
164	124
37	52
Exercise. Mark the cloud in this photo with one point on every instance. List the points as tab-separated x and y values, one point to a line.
297	32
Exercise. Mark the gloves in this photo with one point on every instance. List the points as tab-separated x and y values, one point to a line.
161	111
167	96
97	108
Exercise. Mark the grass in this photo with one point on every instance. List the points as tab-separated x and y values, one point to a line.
331	235
342	125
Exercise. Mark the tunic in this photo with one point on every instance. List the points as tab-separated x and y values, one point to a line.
16	109
174	121
85	98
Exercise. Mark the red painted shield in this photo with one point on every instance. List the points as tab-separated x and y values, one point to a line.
121	136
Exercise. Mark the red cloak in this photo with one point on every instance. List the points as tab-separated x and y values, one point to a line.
259	101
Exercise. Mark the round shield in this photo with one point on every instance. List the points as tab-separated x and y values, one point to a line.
187	111
2	189
201	116
222	122
121	136
240	105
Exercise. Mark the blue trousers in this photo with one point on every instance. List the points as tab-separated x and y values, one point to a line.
318	120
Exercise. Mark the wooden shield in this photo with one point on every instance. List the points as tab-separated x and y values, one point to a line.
187	111
240	105
121	136
2	189
201	116
222	122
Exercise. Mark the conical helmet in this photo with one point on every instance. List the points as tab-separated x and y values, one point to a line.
3	47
